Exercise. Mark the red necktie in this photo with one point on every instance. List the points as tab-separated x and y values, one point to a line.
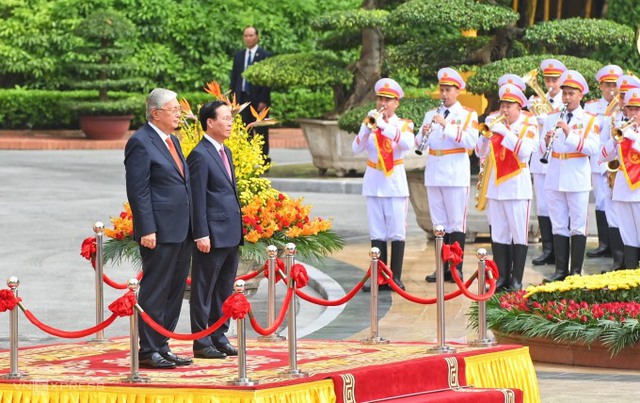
223	155
174	154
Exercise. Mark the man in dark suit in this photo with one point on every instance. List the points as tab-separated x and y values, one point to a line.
259	96
159	192
217	229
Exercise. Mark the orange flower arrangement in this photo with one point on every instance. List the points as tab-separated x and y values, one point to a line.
122	225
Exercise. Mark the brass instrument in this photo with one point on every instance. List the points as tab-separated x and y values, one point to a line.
543	105
618	133
614	105
485	129
547	153
425	135
370	120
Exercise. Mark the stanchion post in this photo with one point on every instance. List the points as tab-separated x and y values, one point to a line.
135	376
272	255
482	340
373	338
441	348
293	371
98	229
13	283
242	379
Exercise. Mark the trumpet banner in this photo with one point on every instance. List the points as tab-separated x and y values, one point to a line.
630	163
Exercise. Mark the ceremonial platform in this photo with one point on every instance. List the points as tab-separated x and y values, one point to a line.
338	371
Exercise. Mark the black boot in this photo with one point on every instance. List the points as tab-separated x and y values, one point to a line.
460	238
382	245
578	245
431	278
519	261
603	249
617	250
561	251
502	258
397	257
546	237
631	257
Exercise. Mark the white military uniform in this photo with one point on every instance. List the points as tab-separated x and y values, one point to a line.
598	170
447	172
537	168
508	203
567	190
387	196
605	134
626	201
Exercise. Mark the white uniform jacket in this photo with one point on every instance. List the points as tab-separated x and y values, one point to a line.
447	147
375	183
521	137
569	160
597	107
535	166
610	151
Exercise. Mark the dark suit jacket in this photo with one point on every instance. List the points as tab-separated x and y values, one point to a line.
216	206
257	93
159	196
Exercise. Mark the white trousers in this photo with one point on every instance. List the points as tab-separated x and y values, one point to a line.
629	212
387	217
568	212
448	207
509	221
609	210
599	185
541	197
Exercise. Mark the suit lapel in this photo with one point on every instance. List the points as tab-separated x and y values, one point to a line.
218	159
157	141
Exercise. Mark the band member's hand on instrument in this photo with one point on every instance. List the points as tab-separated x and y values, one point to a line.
439	120
564	126
549	136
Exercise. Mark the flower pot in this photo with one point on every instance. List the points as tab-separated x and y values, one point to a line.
330	148
563	352
105	127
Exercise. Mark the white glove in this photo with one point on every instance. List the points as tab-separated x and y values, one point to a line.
500	129
381	123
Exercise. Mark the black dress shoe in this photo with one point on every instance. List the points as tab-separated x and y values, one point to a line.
398	283
156	361
179	361
600	251
228	349
545	258
431	278
209	352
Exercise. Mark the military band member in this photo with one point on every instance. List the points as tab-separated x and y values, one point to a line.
509	145
575	137
551	71
624	84
608	244
385	181
626	188
449	131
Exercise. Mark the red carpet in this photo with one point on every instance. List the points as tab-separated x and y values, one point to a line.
358	373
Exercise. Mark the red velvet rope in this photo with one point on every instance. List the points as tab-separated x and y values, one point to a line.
69	335
119	286
335	302
8	300
182	336
88	250
279	269
236	306
464	288
249	276
269	330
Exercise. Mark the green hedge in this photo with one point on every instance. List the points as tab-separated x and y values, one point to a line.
54	110
410	108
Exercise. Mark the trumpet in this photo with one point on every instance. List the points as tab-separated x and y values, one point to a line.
614	105
425	134
545	156
370	120
618	133
542	105
485	129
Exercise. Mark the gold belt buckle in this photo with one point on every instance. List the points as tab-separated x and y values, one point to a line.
438	153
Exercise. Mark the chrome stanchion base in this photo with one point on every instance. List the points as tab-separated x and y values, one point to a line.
482	343
441	350
242	382
137	378
14	375
99	341
293	373
374	340
272	338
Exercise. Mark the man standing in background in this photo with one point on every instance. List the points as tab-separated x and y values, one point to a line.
258	96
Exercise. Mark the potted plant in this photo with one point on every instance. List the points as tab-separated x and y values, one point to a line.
101	63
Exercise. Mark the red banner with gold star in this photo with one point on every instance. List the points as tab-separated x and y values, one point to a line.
385	152
630	163
506	163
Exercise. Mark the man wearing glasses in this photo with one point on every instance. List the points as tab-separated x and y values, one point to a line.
158	190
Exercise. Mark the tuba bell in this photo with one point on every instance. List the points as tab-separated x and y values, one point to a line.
542	105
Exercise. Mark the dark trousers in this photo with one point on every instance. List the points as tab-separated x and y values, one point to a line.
212	278
247	117
162	287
